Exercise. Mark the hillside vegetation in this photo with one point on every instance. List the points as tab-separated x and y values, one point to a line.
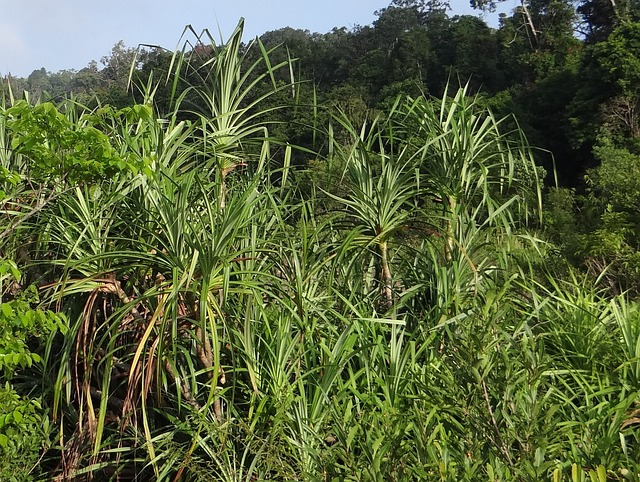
227	264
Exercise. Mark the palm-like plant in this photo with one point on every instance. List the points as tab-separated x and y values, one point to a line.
149	263
383	186
478	172
231	117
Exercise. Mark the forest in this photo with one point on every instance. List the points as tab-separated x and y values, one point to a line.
404	251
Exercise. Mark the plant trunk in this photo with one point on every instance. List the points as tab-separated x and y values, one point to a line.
449	229
385	274
532	28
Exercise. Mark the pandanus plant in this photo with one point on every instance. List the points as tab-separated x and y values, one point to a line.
479	171
146	263
480	181
382	186
452	151
222	94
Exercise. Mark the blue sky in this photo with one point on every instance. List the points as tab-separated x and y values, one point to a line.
68	34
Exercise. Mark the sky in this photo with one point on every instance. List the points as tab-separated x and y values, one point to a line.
68	34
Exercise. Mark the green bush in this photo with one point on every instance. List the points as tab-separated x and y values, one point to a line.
25	433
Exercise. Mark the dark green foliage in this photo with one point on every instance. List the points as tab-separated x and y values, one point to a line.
25	428
24	432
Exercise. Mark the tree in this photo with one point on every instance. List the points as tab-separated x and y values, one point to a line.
424	8
38	82
119	64
600	17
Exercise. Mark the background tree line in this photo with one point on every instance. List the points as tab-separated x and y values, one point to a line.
567	69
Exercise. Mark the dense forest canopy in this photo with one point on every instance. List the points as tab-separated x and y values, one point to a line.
565	68
405	251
